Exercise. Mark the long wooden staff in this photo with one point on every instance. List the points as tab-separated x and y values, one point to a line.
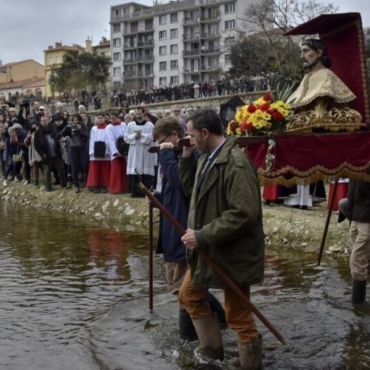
150	247
328	217
214	267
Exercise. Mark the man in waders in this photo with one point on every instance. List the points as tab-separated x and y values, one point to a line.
225	220
167	131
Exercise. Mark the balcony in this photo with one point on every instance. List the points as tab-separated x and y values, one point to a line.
190	21
190	53
145	75
142	12
129	61
146	29
130	75
145	43
210	35
130	45
190	71
206	51
191	37
131	31
210	18
205	68
145	58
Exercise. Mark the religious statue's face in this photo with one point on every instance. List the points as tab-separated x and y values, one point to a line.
309	57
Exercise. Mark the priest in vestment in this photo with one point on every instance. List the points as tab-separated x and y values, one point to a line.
139	134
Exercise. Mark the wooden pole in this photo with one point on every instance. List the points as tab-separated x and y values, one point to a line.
328	217
150	257
215	268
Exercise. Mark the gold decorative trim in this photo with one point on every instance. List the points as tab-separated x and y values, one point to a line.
314	174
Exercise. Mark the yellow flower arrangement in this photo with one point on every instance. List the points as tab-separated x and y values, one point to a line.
261	116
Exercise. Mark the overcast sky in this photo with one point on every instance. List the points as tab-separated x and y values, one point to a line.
28	27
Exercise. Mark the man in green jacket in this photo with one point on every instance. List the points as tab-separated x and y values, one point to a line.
225	219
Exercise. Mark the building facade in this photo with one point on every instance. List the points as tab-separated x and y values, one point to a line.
54	57
19	71
168	44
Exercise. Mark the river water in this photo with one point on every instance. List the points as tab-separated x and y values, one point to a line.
75	296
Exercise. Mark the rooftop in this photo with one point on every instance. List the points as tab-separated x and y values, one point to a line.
23	83
15	63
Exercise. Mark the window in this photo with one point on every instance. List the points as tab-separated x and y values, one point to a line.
229	41
162	35
117	42
174	49
58	59
117	11
117	71
230	25
163	19
163	66
116	56
230	8
173	18
163	50
174	64
174	80
174	33
50	60
117	27
162	81
227	58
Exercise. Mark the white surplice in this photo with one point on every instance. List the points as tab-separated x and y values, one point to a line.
138	156
113	133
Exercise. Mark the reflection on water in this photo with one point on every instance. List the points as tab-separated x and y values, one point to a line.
74	296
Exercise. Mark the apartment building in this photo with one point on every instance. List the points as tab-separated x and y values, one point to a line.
167	44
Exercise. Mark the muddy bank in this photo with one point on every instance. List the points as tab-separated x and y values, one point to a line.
283	226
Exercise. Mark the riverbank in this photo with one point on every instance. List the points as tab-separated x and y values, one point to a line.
283	226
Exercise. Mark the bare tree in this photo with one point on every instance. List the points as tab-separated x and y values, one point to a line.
265	24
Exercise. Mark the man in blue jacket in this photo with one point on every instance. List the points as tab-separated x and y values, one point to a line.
167	131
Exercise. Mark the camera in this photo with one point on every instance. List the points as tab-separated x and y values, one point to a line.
25	103
74	126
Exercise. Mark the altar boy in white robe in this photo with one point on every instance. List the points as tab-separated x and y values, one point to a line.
139	134
118	175
99	165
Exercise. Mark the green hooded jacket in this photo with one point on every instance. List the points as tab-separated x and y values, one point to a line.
227	216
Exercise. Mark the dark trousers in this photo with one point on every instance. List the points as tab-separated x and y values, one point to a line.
14	167
26	167
77	159
57	162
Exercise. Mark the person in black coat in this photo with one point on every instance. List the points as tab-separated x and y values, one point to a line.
167	131
48	146
78	133
357	210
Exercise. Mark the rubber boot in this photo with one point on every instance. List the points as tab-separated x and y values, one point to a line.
186	327
250	355
358	291
216	308
210	339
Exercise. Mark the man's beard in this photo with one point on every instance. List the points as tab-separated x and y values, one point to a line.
309	65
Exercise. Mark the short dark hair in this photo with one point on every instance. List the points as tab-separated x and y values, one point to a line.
208	119
142	109
100	114
78	116
316	44
166	126
114	113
